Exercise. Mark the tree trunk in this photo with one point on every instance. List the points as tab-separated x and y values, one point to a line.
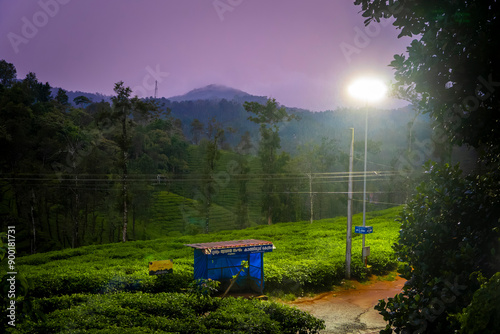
47	217
124	177
133	221
76	214
57	228
311	196
125	212
33	225
84	225
67	228
111	233
94	218
102	231
67	240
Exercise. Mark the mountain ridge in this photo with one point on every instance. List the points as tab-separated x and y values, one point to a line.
217	92
209	92
212	92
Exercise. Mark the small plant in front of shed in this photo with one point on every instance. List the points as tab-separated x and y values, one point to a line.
204	287
244	265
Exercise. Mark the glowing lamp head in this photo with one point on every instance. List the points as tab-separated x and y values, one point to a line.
367	89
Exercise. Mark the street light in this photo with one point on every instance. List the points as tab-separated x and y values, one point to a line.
368	90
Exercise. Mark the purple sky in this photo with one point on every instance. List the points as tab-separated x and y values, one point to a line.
290	50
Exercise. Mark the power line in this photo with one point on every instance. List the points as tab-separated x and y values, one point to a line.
199	177
377	202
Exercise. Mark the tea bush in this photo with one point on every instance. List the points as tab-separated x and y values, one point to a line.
241	316
166	312
308	257
107	288
291	320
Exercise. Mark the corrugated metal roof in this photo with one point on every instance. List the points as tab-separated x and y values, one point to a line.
230	244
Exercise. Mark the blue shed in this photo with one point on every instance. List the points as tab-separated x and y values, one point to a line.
222	260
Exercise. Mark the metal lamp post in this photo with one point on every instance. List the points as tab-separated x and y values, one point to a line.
368	90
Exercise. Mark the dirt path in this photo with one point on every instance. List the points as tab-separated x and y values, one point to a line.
351	311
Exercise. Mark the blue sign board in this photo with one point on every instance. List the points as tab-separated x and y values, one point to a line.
363	229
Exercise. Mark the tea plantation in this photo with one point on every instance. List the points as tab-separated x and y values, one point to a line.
106	288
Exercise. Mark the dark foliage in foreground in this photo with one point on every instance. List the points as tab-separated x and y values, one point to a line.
449	239
166	313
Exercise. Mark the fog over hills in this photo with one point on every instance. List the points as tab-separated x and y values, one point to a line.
226	105
210	92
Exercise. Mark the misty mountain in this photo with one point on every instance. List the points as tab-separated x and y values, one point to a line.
217	92
389	127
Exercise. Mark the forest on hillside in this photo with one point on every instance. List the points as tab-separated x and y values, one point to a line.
90	172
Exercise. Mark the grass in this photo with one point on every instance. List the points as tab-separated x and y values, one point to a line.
345	285
104	280
308	257
390	277
173	213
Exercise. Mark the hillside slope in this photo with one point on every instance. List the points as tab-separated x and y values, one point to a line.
307	257
172	213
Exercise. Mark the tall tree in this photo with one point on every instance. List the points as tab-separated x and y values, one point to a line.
450	230
83	100
212	154
269	116
311	159
62	97
7	73
36	142
37	91
196	130
243	149
123	107
245	145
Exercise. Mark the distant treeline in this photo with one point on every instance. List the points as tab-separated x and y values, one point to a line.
88	172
